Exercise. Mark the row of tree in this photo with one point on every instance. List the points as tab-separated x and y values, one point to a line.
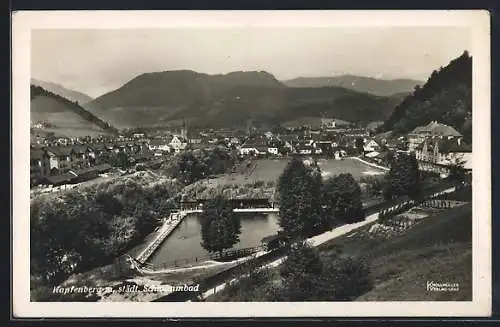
85	228
308	206
192	166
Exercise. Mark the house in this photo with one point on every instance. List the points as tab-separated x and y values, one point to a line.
370	145
62	141
324	146
39	167
273	150
193	138
159	146
110	147
178	143
445	151
79	157
98	149
59	159
288	147
254	147
433	129
91	155
355	132
328	123
305	148
288	140
234	141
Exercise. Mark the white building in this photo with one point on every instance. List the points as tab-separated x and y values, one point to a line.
370	146
272	150
178	143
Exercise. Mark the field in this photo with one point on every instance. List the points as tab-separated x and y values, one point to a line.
66	121
270	169
438	249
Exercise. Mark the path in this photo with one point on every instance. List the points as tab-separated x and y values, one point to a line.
318	240
168	226
370	164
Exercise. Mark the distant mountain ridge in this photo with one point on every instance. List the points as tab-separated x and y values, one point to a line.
62	91
446	97
63	116
381	87
167	98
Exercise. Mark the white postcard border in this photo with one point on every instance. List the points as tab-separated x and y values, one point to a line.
477	20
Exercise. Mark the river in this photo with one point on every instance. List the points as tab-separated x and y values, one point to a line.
183	245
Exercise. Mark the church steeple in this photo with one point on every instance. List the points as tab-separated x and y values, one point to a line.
184	129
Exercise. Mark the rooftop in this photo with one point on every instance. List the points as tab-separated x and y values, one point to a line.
435	128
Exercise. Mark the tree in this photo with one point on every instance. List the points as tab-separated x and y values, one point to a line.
360	144
190	169
299	189
403	177
457	170
342	198
220	226
301	273
122	160
348	278
305	277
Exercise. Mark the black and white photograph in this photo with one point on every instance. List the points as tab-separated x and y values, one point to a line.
316	163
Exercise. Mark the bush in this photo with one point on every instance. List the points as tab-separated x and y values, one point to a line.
351	278
87	227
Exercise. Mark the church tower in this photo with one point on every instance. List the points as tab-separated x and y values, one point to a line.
184	129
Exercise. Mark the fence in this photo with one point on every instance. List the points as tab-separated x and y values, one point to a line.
210	282
426	194
225	255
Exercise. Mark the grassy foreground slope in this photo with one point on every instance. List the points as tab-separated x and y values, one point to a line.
438	249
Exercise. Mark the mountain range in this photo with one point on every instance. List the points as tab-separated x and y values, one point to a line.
170	97
370	85
58	89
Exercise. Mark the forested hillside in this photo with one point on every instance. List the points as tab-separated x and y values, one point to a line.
445	97
64	115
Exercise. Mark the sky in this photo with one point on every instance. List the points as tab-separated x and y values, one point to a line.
96	61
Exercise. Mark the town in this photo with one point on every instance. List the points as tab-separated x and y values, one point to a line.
59	161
